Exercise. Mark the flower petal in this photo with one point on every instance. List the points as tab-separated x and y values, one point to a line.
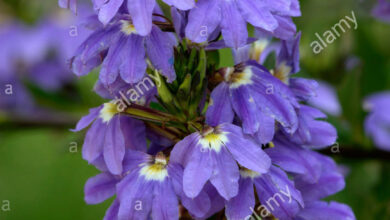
99	188
160	52
141	14
197	171
243	204
165	204
88	119
225	174
94	141
133	66
114	146
201	23
220	109
234	28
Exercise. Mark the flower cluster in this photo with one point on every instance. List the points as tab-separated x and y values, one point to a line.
183	138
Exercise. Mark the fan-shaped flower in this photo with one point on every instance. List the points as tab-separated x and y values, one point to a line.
123	52
212	155
232	15
257	98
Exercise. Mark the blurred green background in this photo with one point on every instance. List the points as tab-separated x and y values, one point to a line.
42	173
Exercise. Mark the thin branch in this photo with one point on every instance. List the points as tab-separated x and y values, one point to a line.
356	153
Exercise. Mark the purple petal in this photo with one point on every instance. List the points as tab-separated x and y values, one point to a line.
100	164
108	10
135	196
88	119
246	109
220	109
94	141
277	100
295	159
255	12
179	19
112	211
278	194
114	146
225	174
134	133
69	4
92	51
304	89
133	66
247	152
160	52
197	171
141	13
266	131
331	181
322	134
201	23
278	5
289	52
181	4
326	99
197	206
133	159
99	188
110	68
241	54
182	151
217	202
165	204
233	26
242	205
325	211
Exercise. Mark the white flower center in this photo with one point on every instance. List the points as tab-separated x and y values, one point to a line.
247	173
108	111
127	27
156	171
214	141
237	79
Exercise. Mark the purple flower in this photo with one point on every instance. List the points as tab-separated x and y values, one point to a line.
141	11
382	10
110	135
329	182
123	52
154	185
232	15
377	123
275	191
257	98
213	155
